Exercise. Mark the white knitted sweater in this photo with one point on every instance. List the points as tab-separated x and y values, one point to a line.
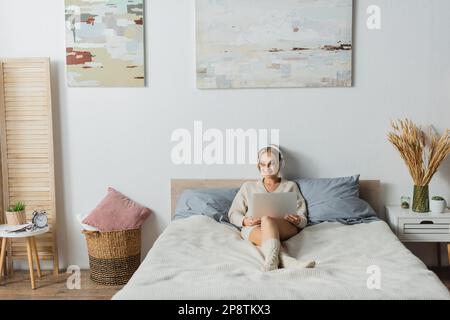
239	208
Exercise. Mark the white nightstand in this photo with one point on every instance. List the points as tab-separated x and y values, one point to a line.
410	226
31	249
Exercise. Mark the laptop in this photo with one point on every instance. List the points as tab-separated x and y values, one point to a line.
276	204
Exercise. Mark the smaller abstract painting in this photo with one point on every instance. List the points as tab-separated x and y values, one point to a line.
105	43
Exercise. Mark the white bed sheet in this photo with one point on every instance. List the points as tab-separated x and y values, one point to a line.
198	258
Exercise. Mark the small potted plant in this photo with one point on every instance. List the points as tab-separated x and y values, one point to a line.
15	214
437	204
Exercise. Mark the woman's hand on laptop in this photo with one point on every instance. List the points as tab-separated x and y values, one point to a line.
293	218
251	222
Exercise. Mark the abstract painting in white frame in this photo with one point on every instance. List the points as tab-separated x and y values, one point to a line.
270	44
105	43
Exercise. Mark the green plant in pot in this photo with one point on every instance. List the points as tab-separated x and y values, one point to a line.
438	204
15	214
422	154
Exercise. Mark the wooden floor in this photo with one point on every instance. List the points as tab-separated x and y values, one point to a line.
444	275
55	288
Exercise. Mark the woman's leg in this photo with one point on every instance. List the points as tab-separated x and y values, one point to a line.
267	230
268	237
272	229
288	230
255	236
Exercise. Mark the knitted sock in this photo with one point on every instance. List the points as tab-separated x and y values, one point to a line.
271	250
286	261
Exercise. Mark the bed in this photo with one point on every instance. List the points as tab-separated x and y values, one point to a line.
199	258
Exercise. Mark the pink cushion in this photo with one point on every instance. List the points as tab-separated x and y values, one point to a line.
117	212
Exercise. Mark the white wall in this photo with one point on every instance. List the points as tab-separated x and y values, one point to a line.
121	137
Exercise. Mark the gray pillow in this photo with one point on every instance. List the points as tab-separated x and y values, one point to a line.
335	199
214	203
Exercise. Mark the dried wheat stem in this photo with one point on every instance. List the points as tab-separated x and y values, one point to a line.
410	141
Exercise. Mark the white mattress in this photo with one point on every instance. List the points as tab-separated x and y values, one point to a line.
198	258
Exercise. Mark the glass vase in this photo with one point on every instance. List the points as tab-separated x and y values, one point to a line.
405	202
421	201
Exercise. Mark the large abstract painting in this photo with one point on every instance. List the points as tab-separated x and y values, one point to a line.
105	43
267	43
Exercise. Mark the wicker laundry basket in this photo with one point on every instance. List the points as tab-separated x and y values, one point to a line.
113	256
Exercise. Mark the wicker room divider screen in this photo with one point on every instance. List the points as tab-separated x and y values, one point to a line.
26	149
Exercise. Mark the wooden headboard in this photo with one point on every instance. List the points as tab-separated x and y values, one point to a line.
369	190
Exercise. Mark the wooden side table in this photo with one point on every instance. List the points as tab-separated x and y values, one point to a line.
31	249
410	226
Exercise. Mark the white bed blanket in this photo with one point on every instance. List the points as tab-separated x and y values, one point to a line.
198	258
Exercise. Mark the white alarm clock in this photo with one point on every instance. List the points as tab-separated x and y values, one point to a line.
40	219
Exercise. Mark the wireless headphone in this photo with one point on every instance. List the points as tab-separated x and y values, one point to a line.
277	149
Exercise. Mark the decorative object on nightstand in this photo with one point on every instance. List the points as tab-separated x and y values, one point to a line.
405	201
15	214
420	227
422	155
28	233
39	219
438	204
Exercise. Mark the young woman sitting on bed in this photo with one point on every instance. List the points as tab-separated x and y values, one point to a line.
267	232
